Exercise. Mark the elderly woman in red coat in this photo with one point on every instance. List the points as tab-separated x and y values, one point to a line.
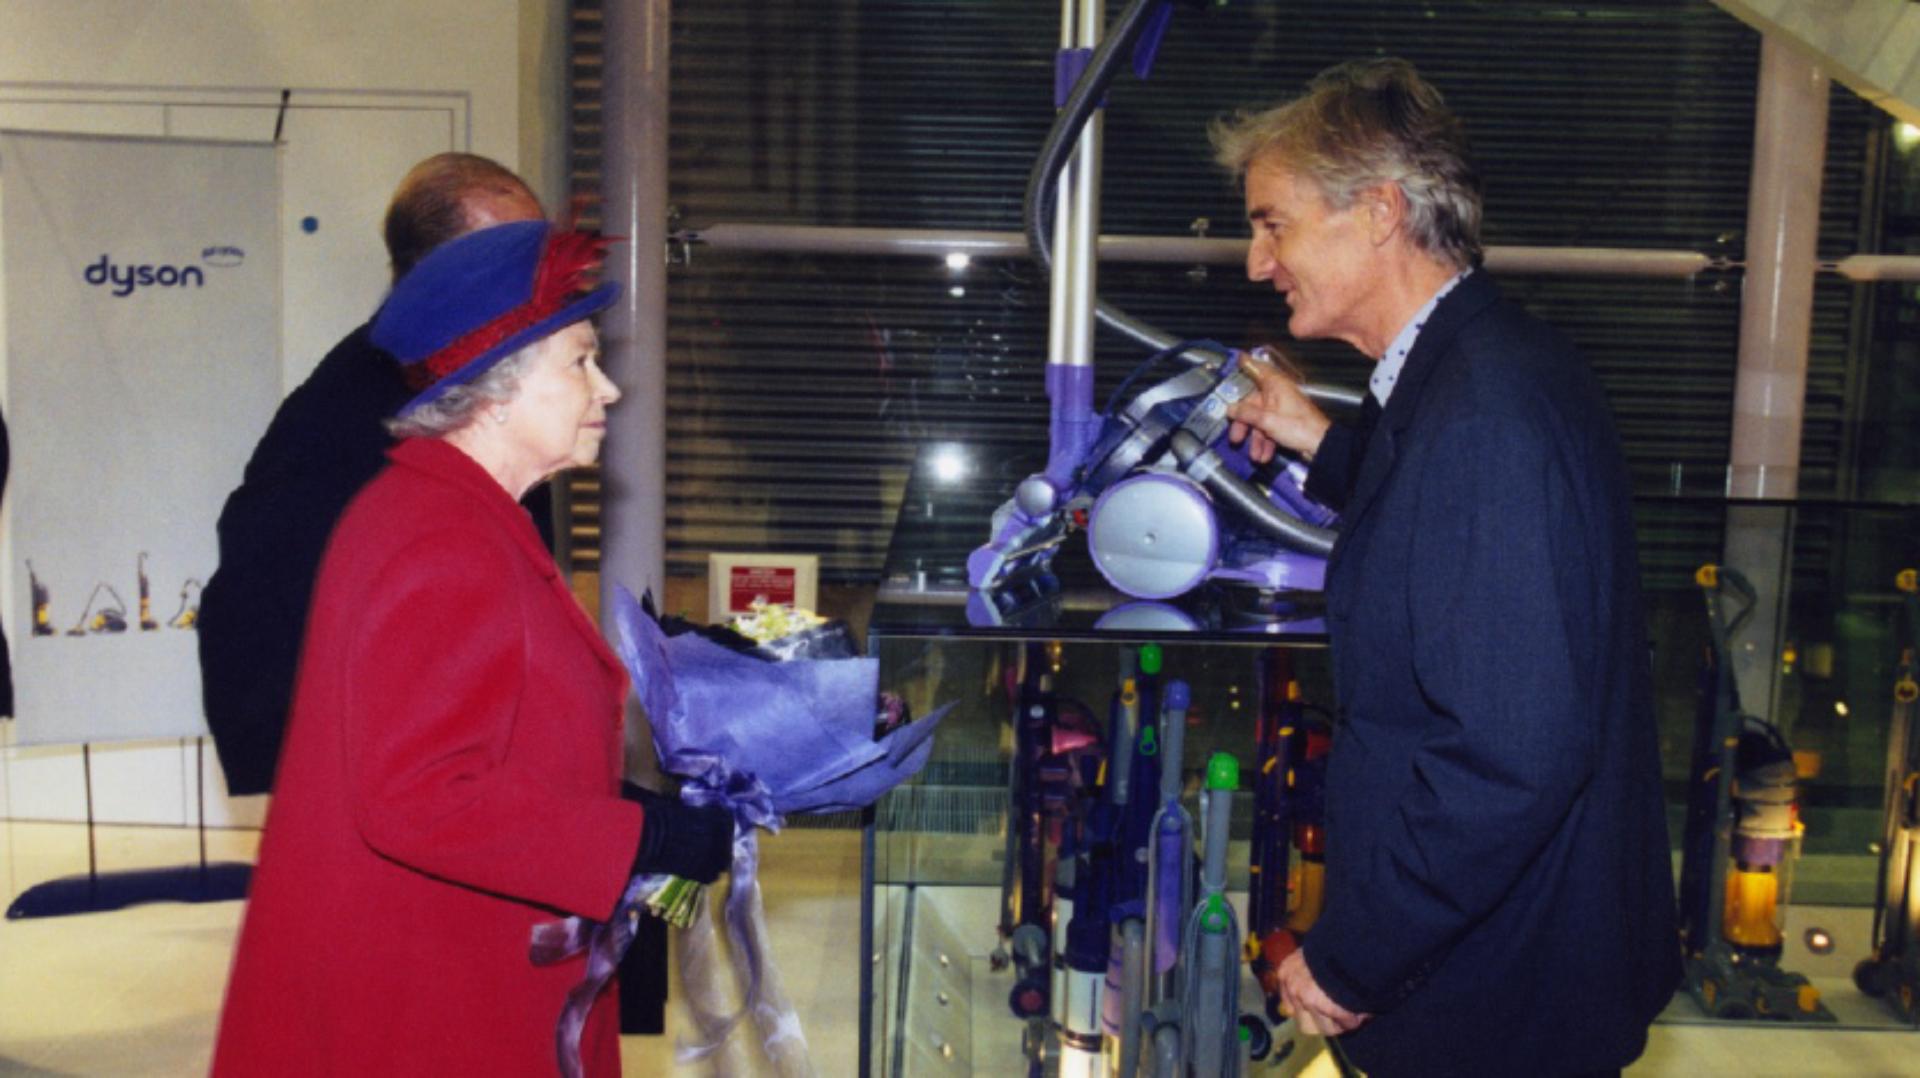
452	771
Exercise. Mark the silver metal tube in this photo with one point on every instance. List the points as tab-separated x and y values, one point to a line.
1076	221
1180	250
827	240
1120	753
1133	991
1209	1030
1059	288
1068	343
1082	258
1173	740
1166	1050
1599	261
1213	864
1866	268
633	332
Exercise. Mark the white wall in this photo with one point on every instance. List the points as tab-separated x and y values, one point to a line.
375	85
469	46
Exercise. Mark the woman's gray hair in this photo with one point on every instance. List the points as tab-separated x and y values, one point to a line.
1363	123
457	407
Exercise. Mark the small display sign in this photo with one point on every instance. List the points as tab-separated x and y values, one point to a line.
736	581
749	584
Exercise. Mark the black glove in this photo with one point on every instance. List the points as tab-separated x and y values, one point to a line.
679	839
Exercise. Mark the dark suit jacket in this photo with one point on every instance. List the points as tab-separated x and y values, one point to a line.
1499	888
326	442
1336	466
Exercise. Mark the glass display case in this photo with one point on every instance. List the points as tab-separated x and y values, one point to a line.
967	856
1822	674
1808	608
947	868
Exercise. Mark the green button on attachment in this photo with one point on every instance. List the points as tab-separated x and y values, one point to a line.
1150	658
1223	772
1214	917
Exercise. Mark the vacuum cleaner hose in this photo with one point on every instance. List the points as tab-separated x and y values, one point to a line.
1058	148
1204	465
1043	180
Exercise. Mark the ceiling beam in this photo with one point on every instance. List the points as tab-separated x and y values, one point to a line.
1870	46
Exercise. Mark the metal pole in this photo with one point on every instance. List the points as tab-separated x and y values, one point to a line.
633	332
1079	259
93	854
747	236
1868	268
1076	221
868	956
1776	307
1776	314
200	803
1059	349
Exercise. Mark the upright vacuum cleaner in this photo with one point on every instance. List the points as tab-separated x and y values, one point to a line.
1287	879
1133	780
1210	989
1027	896
1743	836
1892	972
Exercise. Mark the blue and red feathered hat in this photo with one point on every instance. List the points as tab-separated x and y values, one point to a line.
482	297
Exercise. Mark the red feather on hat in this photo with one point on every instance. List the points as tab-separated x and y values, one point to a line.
568	265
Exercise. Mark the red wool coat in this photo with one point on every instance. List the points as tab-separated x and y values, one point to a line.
450	779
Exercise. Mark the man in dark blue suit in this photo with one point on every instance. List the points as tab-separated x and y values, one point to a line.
326	441
1499	888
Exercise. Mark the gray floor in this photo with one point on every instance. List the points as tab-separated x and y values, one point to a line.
137	992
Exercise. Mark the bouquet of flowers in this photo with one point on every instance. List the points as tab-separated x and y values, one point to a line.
795	723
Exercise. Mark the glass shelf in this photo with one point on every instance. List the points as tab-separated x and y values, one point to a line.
938	849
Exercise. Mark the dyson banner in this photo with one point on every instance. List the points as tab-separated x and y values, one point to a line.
142	284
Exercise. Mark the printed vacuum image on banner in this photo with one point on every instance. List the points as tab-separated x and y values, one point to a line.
142	283
106	612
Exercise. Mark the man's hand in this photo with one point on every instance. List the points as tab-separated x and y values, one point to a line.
1276	413
1314	1011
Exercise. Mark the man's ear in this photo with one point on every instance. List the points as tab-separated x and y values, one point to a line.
1384	206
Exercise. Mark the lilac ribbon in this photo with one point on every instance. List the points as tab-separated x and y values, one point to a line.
759	738
606	943
752	806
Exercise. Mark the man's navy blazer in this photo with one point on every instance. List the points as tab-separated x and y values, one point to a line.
1499	887
327	440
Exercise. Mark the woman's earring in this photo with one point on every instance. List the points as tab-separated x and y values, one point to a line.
499	415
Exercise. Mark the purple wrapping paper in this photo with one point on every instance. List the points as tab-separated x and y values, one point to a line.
761	738
804	728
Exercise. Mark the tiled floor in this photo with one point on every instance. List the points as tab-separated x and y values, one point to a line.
137	992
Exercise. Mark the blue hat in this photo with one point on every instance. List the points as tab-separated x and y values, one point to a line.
478	299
